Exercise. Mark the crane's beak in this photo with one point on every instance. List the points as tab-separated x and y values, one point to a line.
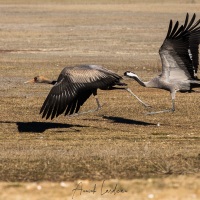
30	81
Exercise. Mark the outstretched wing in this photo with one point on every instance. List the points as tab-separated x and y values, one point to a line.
74	86
194	41
179	51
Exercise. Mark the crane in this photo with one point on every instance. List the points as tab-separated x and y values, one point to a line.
74	86
180	59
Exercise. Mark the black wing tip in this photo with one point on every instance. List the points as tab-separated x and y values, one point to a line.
50	115
169	28
47	117
175	31
194	15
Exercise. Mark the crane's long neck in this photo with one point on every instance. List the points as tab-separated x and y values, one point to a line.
53	82
48	81
135	77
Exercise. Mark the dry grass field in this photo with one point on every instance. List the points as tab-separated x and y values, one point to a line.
148	156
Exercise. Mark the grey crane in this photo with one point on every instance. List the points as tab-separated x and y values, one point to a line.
180	59
74	86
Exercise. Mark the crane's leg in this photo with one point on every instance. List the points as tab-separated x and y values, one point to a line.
98	103
99	106
128	90
169	110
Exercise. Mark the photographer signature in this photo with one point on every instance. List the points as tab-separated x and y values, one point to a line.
79	189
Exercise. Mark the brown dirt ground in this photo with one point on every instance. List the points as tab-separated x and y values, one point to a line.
151	157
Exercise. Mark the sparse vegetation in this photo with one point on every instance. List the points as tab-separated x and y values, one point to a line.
119	141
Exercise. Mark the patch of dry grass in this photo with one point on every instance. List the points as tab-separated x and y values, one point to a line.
95	2
119	141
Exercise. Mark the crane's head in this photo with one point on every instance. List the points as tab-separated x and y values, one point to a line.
130	74
38	79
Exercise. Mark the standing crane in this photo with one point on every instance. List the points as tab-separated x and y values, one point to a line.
180	59
74	86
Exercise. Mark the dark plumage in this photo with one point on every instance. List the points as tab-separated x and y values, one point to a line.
74	86
180	59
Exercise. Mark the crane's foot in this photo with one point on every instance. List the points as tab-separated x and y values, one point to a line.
147	105
158	112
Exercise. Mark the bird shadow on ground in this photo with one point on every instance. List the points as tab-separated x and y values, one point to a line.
127	121
40	127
